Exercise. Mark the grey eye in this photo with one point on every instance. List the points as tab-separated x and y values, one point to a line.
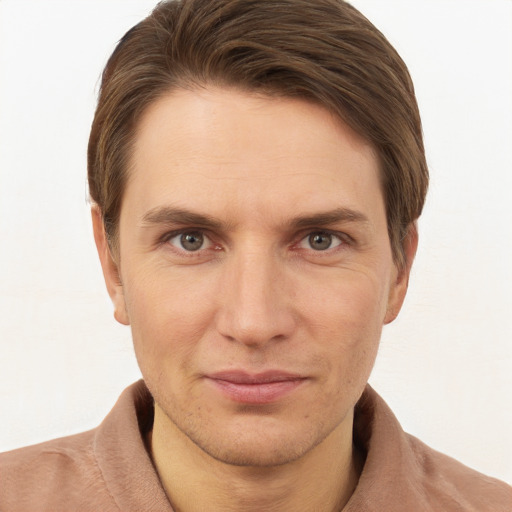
191	241
320	241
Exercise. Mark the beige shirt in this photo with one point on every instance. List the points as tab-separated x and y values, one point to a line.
109	469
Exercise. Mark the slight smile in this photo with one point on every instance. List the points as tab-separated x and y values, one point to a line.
260	388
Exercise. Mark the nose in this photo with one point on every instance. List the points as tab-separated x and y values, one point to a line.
255	303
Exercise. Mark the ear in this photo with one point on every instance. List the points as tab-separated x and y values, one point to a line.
109	267
398	288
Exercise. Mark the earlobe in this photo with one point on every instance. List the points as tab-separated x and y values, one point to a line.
398	288
109	267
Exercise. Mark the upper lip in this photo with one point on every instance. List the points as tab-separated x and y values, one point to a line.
243	377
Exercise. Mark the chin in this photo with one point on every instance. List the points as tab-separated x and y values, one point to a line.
255	441
256	453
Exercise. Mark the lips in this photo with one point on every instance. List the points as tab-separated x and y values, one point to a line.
260	388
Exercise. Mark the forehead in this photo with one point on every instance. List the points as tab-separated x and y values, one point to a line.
224	149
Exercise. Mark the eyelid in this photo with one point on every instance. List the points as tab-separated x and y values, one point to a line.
169	235
206	242
344	238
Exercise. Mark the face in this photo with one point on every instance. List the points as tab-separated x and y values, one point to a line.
255	270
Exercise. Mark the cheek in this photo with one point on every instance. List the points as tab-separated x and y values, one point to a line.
168	315
346	316
351	302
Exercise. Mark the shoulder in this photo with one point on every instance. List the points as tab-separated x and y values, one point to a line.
450	485
401	473
56	475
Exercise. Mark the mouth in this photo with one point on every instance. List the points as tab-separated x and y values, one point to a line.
260	388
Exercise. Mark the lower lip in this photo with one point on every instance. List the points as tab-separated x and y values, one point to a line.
258	393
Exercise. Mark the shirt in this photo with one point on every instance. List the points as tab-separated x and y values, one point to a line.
109	468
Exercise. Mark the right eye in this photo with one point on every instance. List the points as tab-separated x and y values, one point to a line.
190	241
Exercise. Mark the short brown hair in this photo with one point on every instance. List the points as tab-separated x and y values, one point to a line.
323	51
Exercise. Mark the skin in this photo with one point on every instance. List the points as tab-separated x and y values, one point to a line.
274	181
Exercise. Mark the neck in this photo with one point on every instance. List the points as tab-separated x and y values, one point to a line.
321	480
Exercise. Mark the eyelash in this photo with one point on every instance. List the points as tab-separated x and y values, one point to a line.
167	237
342	239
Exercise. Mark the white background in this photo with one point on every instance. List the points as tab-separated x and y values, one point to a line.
445	366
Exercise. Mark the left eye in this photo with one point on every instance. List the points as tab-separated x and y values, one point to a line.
320	241
190	241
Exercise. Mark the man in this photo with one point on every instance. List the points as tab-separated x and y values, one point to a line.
256	181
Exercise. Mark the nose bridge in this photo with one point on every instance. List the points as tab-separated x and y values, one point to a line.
254	307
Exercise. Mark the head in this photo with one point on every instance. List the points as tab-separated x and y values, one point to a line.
336	59
256	168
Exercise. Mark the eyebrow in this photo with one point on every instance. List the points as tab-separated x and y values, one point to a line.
345	215
172	215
